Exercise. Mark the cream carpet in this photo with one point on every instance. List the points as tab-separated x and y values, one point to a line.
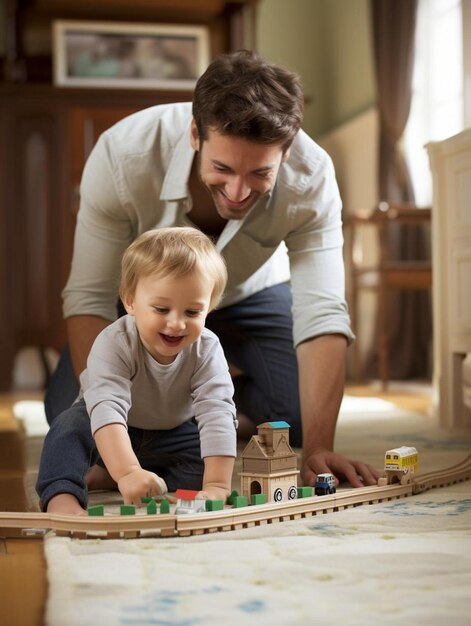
402	562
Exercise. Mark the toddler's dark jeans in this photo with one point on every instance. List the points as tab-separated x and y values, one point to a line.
69	451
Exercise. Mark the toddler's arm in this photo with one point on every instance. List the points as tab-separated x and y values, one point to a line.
217	478
115	449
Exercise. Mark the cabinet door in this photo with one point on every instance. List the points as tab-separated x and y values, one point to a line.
30	198
85	124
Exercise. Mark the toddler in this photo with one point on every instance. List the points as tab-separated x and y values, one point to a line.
155	409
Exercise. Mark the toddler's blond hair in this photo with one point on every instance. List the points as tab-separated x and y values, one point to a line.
173	251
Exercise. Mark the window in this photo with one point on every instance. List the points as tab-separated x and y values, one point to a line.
437	109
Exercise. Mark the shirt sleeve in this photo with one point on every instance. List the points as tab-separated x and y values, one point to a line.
316	261
215	412
106	382
104	230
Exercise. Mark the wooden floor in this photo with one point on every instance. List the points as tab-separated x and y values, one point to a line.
22	569
22	562
416	398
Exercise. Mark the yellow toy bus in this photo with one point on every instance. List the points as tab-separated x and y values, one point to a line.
404	459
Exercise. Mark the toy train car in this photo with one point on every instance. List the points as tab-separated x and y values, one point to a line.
325	485
404	459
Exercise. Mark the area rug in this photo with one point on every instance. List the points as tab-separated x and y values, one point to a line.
403	561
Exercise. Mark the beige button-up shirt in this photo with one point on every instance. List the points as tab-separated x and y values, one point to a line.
136	179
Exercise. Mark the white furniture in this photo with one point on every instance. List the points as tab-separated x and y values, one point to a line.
450	161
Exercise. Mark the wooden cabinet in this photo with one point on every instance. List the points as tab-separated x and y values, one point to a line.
46	135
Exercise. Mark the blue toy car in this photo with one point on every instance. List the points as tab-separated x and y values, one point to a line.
325	484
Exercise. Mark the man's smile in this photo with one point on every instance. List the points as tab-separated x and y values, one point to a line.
235	204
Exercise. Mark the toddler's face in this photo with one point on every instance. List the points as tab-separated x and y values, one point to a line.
170	312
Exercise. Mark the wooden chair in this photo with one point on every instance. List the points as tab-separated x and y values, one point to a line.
384	275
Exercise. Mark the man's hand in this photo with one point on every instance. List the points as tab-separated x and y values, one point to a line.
140	483
320	461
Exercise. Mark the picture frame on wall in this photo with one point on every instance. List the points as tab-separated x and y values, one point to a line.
126	55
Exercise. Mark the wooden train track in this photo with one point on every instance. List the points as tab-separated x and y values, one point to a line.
115	527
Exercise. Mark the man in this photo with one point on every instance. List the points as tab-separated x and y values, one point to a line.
237	166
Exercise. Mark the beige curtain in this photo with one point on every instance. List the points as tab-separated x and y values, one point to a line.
393	23
393	38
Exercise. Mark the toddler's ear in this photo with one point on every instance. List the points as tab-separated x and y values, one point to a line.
128	304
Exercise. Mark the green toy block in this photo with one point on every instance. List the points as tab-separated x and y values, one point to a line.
146	499
258	498
304	492
98	509
128	509
239	501
165	506
152	507
234	494
214	505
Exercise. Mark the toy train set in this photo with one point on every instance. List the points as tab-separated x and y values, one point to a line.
266	482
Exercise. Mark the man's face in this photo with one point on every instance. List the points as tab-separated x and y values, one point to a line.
236	172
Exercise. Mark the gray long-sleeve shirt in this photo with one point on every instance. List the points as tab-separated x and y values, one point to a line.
136	179
124	384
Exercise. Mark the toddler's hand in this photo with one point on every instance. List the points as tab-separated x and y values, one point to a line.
140	483
214	493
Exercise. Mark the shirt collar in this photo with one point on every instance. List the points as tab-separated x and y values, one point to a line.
175	184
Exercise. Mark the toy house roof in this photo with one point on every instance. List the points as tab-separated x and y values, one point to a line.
186	494
257	448
276	425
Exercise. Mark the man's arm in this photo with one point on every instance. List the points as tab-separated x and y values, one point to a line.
321	363
82	330
103	231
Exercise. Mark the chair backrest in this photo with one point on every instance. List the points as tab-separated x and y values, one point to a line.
392	221
397	258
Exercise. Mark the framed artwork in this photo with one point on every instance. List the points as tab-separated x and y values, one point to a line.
140	56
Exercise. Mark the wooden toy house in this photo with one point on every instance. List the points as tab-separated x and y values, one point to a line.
188	502
269	464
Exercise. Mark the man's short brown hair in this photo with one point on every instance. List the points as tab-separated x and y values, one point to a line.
243	95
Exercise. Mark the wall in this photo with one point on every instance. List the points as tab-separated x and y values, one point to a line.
288	33
328	43
347	48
